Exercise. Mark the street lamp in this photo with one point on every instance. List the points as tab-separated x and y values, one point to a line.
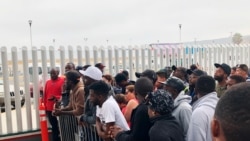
54	42
30	22
85	39
180	32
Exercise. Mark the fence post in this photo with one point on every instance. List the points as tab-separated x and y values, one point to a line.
16	89
26	88
6	89
79	55
110	58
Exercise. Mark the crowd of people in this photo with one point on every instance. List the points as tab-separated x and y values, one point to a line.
171	104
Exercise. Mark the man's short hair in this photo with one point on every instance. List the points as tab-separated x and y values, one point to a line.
100	88
143	86
73	76
237	78
243	67
125	72
205	84
233	112
120	77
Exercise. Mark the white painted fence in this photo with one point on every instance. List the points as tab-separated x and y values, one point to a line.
16	61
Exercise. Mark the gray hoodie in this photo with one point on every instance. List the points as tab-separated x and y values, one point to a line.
203	112
183	111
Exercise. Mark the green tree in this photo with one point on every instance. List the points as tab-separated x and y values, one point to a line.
237	38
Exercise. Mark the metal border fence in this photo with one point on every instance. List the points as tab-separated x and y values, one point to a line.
15	62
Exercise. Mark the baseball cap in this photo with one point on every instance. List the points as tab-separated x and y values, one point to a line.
85	67
174	67
225	67
100	65
161	101
175	83
79	68
147	73
92	72
196	72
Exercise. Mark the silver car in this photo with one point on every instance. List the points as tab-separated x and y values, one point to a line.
12	96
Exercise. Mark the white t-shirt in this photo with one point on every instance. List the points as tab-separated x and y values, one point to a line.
110	112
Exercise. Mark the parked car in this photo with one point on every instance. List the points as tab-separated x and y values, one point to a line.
12	96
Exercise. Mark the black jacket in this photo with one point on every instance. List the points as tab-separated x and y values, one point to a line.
165	128
140	125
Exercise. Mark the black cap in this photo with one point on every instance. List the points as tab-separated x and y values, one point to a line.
79	68
174	67
225	67
147	73
100	65
175	83
85	67
196	72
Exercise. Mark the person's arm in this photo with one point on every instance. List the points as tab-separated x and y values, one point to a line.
89	118
103	133
141	126
185	117
79	102
132	104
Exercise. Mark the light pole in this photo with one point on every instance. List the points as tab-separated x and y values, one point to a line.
180	45
30	23
180	32
85	39
54	43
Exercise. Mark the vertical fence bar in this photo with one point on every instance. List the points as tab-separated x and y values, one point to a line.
131	58
95	50
87	55
116	60
16	89
26	88
195	54
44	65
137	62
156	61
210	60
189	56
143	58
103	55
70	51
110	57
149	58
179	56
79	56
200	57
36	92
52	56
6	89
167	57
124	62
62	59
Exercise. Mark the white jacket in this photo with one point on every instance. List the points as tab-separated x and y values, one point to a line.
203	112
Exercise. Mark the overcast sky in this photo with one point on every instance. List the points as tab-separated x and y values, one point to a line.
121	22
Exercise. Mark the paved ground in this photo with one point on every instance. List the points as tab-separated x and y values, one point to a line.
16	120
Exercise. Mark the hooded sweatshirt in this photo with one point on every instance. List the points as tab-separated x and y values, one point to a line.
183	111
76	102
203	112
